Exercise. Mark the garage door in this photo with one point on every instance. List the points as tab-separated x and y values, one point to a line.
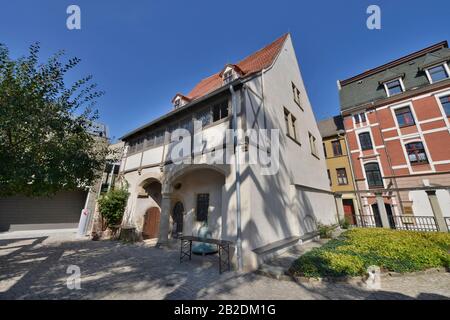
57	212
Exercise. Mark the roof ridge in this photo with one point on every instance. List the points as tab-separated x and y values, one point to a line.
395	62
261	49
194	93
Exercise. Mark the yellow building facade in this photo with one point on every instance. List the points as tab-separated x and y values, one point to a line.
338	165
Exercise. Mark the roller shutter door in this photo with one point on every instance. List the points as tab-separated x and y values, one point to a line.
57	212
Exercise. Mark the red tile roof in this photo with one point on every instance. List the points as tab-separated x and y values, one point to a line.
259	60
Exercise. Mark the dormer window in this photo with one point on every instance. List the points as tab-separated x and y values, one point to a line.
228	76
437	73
179	100
394	87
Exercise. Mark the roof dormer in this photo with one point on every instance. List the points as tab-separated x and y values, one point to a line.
179	100
230	72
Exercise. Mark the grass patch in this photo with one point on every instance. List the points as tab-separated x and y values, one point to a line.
357	249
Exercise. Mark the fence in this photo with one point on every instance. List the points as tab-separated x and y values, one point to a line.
413	223
367	221
405	222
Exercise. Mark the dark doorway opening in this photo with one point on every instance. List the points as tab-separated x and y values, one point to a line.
177	218
377	217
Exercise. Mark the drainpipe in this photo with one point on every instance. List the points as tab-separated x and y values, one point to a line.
238	181
355	184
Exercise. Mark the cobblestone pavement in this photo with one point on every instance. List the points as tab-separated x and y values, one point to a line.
34	267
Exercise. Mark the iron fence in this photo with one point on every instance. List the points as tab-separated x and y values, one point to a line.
405	222
366	221
413	223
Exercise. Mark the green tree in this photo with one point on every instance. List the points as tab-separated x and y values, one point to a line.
45	140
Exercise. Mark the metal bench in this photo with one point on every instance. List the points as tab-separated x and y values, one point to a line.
223	247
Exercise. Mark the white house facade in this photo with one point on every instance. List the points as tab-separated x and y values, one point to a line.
282	197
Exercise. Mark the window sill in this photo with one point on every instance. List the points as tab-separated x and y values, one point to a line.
419	163
298	104
293	139
406	125
315	156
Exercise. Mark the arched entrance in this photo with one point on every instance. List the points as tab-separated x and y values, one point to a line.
151	223
177	219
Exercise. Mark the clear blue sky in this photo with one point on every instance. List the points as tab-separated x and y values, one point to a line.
142	52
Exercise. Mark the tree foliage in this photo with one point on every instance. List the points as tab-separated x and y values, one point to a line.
45	140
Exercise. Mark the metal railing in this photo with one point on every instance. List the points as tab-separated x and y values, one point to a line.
405	222
413	223
366	221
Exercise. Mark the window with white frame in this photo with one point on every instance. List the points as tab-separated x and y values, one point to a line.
365	141
437	73
313	145
228	76
177	103
373	175
342	176
445	101
404	117
291	125
394	87
360	117
416	153
296	94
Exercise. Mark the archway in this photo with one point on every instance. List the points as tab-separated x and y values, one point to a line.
148	208
196	200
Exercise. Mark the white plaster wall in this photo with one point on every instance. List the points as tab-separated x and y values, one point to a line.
152	156
276	209
444	201
421	205
193	183
133	161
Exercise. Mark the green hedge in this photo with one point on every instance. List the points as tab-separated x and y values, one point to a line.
391	250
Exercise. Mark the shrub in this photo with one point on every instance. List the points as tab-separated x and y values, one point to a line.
325	231
391	250
112	206
345	224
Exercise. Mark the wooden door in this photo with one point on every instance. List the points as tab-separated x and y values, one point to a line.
349	211
151	223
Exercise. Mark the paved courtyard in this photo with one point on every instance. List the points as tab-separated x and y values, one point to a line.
34	266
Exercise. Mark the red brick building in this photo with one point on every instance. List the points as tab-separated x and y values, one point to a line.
397	122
